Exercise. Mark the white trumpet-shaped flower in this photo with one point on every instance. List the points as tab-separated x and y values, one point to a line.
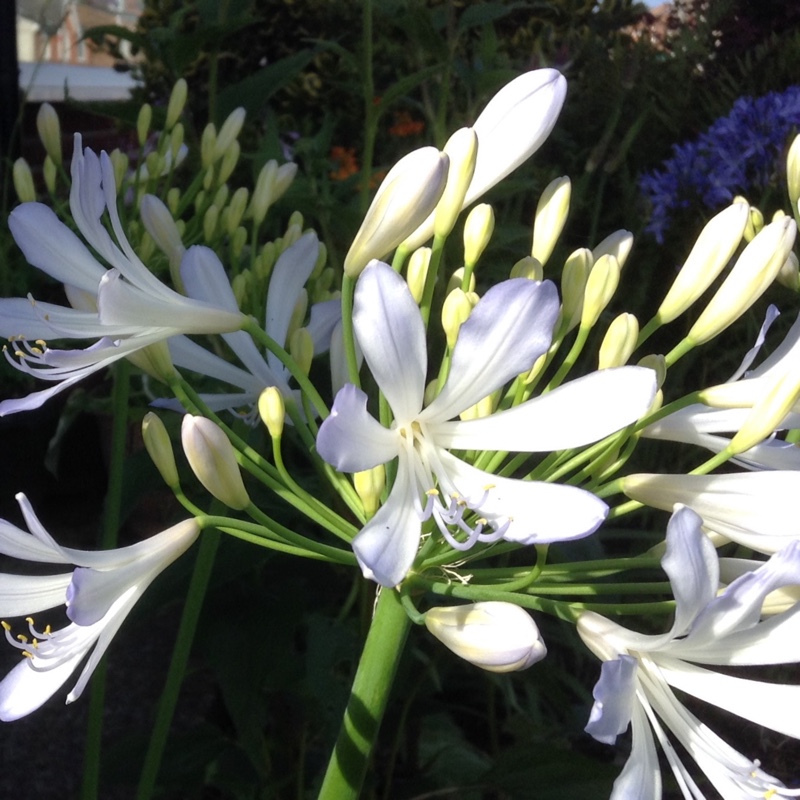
640	671
98	594
208	282
125	308
509	328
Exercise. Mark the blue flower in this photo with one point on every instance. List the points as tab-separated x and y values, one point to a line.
738	154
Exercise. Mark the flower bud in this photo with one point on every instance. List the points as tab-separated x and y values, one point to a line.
210	219
143	121
551	215
600	287
23	181
272	411
208	140
617	244
176	138
177	102
161	226
49	128
793	172
455	312
789	274
155	360
528	267
417	272
457	279
478	230
213	460
406	196
755	269
495	636
228	134
619	342
573	287
658	364
236	209
238	241
462	150
159	447
264	192
50	172
714	247
283	180
768	412
301	349
369	485
229	161
755	223
120	162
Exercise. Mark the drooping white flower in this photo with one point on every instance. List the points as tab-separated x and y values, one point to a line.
509	328
640	671
98	594
125	308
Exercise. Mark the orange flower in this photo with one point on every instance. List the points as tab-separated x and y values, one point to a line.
345	161
404	125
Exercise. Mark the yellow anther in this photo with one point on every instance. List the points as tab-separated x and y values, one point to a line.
430	493
769	793
37	351
47	630
27	654
489	487
29	620
22	638
41	342
19	354
482	521
35	644
5	625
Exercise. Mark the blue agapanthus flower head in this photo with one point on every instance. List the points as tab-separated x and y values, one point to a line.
738	154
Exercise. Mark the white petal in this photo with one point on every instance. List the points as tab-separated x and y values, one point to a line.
392	337
323	318
25	689
692	566
351	439
23	595
578	413
289	276
640	779
50	245
509	328
205	279
538	512
755	509
121	303
773	705
387	545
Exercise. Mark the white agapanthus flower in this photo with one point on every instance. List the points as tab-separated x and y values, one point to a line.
125	307
98	594
509	328
211	284
640	671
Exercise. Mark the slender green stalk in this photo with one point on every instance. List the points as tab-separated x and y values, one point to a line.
108	539
368	697
209	540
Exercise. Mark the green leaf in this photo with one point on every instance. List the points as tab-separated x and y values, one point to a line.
253	92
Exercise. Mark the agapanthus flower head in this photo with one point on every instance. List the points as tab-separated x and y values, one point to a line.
740	153
506	332
641	671
98	595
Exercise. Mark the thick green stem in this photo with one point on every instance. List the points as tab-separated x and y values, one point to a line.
368	697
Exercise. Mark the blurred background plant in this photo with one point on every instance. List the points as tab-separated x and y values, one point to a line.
344	95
